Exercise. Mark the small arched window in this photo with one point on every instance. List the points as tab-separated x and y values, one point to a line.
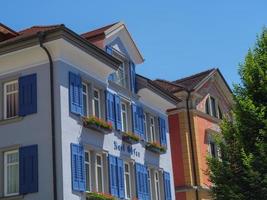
207	106
212	108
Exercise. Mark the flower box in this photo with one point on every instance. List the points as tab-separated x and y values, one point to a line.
99	196
130	138
155	147
97	124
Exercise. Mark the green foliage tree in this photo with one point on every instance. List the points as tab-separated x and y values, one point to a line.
241	173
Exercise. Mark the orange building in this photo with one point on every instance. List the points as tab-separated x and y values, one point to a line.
206	98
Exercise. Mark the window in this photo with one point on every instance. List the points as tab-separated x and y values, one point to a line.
99	173
157	185
220	112
120	75
11	173
212	108
85	99
87	161
212	149
96	103
149	182
207	106
11	99
124	117
127	180
152	130
145	125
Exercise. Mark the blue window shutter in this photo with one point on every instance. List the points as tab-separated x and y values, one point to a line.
75	94
162	130
146	186
118	112
141	122
113	181
110	108
144	183
138	174
135	119
167	186
121	178
28	169
133	77
27	95
78	168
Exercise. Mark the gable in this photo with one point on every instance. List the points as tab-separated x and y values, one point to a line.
120	38
215	88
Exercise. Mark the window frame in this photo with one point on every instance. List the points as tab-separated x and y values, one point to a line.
86	93
102	172
124	127
6	153
149	178
125	182
145	126
157	185
154	138
99	102
9	93
213	111
89	163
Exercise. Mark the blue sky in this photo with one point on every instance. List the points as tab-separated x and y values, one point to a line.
177	38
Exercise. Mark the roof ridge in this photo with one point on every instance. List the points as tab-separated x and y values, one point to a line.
40	26
98	30
172	83
194	75
8	28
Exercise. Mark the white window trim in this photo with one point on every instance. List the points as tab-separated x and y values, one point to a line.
102	171
96	99
5	95
5	172
122	80
150	181
157	183
130	180
124	126
145	125
153	137
89	166
86	94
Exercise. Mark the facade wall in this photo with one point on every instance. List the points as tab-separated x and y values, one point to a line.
181	146
29	130
72	131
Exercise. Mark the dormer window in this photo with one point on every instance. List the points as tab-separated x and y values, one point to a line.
125	75
121	76
212	108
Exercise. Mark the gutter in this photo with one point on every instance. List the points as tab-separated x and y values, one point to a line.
41	37
195	186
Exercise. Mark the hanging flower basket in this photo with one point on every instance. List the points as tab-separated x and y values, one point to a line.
99	196
130	138
97	124
155	147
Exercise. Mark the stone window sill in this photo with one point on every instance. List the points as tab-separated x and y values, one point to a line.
16	197
9	121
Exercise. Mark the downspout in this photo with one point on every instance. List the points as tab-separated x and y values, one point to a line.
191	143
41	36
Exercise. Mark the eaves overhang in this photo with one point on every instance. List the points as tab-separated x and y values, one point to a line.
21	42
146	82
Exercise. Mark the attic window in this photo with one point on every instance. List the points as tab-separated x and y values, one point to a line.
212	108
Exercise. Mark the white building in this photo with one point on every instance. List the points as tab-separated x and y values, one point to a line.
75	119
